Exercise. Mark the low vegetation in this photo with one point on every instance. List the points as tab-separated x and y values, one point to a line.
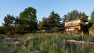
48	43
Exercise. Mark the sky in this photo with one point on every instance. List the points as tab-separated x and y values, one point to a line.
44	7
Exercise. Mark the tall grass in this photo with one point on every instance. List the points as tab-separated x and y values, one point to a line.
48	43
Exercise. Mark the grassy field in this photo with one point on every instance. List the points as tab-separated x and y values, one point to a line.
48	43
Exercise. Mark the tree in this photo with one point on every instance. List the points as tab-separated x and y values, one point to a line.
75	15
8	23
92	20
54	20
16	22
17	25
83	16
92	17
28	18
44	23
1	30
40	25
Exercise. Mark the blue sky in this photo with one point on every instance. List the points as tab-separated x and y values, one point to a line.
44	7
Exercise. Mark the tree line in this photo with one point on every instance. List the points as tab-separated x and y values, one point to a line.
27	21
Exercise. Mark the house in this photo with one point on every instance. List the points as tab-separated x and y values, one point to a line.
72	25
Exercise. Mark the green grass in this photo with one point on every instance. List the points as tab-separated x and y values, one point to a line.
49	43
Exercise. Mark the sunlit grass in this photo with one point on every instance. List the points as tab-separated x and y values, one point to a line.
48	43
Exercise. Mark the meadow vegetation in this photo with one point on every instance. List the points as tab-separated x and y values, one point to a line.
48	43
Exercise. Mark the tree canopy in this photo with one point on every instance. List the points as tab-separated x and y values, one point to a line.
75	15
8	23
28	18
53	20
92	17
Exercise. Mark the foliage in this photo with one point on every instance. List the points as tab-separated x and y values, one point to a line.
26	22
92	17
44	23
92	20
28	18
1	30
75	15
8	23
55	29
53	21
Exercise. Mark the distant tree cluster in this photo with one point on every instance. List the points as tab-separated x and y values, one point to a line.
75	15
53	22
92	20
27	21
